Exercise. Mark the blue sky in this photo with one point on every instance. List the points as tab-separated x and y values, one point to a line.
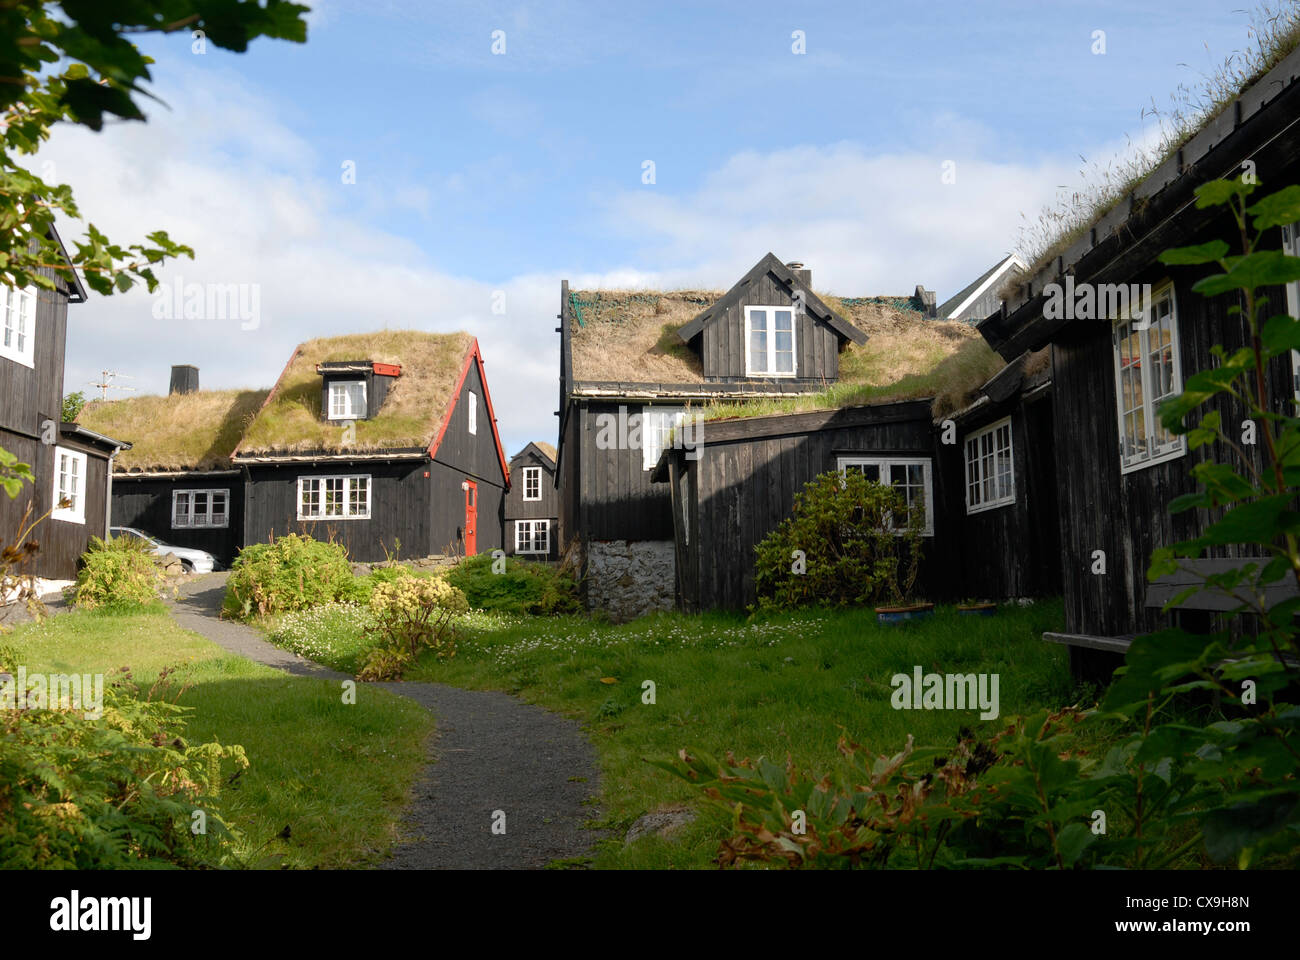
478	173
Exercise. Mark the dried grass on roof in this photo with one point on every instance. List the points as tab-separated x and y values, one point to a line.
193	431
411	414
546	448
630	336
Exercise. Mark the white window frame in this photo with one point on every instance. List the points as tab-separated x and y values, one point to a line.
349	482
1150	404
771	338
978	477
886	465
532	475
473	413
18	323
189	497
532	536
77	512
656	424
343	389
1291	247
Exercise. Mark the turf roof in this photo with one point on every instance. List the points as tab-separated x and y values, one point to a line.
194	431
416	405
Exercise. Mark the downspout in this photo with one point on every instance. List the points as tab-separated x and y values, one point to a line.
108	494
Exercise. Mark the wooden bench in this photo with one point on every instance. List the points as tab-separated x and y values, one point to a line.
1085	663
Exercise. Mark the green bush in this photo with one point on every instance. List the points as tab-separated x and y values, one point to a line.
523	587
840	547
113	792
411	613
290	573
118	574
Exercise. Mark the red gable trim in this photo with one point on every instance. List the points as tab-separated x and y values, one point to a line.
388	369
476	356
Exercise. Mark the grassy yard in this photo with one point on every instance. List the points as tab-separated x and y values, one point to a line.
789	685
337	776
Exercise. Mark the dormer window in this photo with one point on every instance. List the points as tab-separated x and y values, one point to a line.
769	342
347	400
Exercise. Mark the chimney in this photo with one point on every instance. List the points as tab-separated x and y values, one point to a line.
185	379
927	300
797	268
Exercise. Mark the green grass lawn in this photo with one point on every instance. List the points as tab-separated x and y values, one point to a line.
336	775
788	685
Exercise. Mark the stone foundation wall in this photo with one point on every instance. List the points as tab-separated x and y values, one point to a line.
630	578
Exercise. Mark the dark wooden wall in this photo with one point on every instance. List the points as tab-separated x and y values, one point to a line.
1126	515
723	338
31	395
517	508
399	507
62	542
742	489
1010	551
615	498
146	504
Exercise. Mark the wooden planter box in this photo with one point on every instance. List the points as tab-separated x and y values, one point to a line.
977	609
915	611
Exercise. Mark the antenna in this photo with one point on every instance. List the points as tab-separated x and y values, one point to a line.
106	383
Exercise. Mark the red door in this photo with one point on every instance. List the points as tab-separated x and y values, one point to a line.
471	518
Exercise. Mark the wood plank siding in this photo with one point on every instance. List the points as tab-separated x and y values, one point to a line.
146	504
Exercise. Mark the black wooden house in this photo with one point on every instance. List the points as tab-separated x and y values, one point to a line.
531	509
384	442
635	369
1116	467
71	464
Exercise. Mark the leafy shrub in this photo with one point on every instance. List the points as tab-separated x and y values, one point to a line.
291	573
840	546
113	792
523	588
117	574
336	634
411	613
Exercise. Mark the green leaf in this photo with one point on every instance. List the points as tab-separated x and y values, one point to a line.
1072	841
1277	209
1260	269
1211	252
1218	192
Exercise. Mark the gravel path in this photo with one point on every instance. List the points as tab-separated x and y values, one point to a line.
492	754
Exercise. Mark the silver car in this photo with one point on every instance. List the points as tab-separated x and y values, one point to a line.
194	561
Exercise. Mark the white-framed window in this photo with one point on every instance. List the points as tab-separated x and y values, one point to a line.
532	536
532	483
990	474
1291	247
769	342
200	508
334	498
657	425
1147	372
347	400
910	476
69	486
473	412
18	325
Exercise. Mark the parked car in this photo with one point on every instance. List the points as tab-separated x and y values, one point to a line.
194	561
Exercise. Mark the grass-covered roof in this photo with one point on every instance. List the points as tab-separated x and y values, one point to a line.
411	415
630	336
194	431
